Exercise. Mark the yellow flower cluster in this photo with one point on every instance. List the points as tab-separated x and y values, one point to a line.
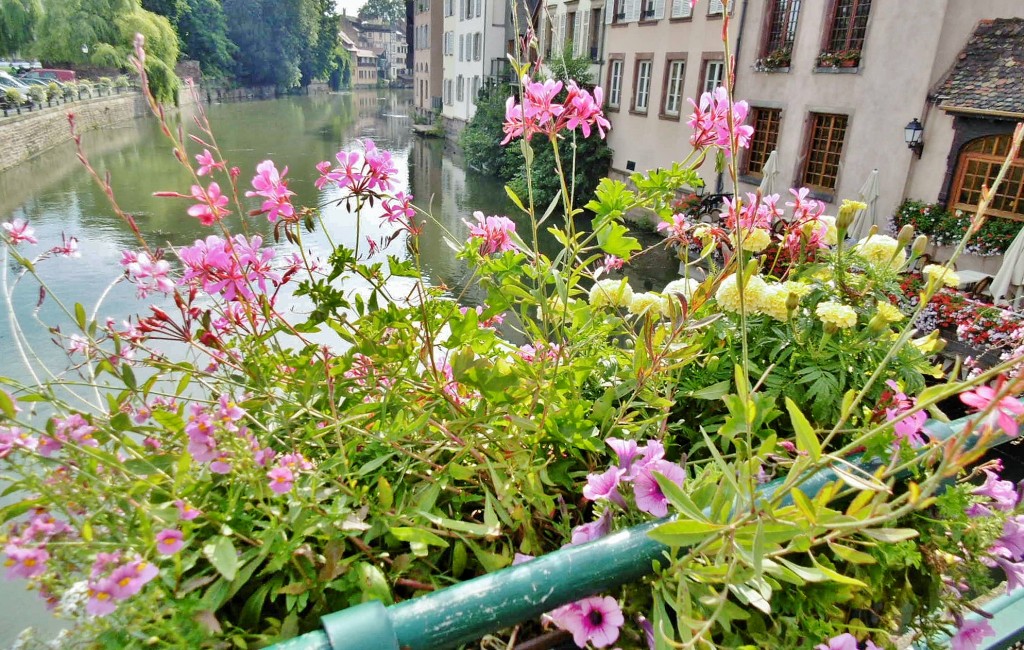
775	301
755	240
684	288
881	251
755	292
614	293
890	312
831	233
648	303
938	274
837	314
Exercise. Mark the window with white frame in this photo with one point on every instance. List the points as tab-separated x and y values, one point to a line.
681	9
674	87
714	75
642	87
615	82
460	93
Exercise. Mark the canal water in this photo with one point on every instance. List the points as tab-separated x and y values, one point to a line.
60	199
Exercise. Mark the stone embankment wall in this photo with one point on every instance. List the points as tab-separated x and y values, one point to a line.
27	135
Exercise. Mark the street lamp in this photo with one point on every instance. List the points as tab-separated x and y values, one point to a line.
912	134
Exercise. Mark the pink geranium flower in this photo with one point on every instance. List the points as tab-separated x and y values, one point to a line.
270	184
1005	412
494	233
19	231
169	542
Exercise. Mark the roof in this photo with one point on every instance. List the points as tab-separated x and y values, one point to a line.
988	76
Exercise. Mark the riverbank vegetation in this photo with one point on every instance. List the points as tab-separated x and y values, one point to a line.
216	471
254	42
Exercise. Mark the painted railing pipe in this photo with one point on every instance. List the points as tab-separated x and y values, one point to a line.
467	611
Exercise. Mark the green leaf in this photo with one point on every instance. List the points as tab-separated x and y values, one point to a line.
482	530
613	239
810	574
80	315
7	405
221	554
890	534
684	532
515	199
678	498
806	439
851	555
418	536
835	576
372	583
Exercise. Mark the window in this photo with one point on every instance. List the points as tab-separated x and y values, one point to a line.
681	9
848	26
824	146
448	92
479	8
673	89
460	93
462	9
765	139
717	7
594	35
979	163
478	45
449	8
714	75
462	46
469	8
642	85
782	15
570	28
615	81
652	9
476	88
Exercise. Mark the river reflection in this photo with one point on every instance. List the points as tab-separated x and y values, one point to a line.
58	197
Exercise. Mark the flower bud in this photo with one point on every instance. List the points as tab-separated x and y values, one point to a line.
847	211
877	325
905	236
792	302
919	245
872	231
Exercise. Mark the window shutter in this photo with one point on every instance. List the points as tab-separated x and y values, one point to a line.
576	36
715	7
560	41
659	9
609	12
632	11
479	8
584	35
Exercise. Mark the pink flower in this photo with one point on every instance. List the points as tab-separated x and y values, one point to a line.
710	121
1011	543
129	579
169	542
842	642
147	274
1002	492
210	208
677	229
231	268
604	486
68	247
185	511
626	450
381	167
970	634
593	620
649	497
281	479
1014	571
23	562
19	231
909	428
398	209
271	185
594	530
494	233
207	163
1005	412
101	599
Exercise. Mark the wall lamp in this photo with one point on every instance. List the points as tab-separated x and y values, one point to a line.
912	134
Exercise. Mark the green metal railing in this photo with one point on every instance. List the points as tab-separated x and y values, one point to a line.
469	610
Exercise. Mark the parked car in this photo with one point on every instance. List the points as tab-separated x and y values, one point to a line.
51	74
7	81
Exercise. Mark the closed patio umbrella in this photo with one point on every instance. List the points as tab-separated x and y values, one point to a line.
1011	273
768	173
865	218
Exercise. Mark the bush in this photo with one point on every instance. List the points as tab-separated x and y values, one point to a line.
53	91
948	228
37	94
14	97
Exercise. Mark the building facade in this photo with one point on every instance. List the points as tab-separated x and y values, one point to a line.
474	37
427	55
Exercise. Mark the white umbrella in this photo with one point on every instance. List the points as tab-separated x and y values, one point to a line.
768	173
864	219
1011	273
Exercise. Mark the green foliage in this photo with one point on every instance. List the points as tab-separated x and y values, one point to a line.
13	97
323	54
203	30
271	36
19	20
388	11
37	94
948	227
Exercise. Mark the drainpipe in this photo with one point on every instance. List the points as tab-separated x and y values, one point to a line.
720	180
467	611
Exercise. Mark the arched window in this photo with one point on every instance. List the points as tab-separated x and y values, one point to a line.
978	166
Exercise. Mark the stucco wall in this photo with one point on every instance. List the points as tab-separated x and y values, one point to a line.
29	134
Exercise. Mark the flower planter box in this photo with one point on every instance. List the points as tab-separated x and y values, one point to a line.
968	261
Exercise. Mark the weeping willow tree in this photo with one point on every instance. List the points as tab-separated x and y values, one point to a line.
102	32
18	22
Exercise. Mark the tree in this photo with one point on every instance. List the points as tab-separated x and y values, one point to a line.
170	9
203	30
18	22
320	56
271	36
388	11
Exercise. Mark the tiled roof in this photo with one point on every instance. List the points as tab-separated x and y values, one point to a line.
988	76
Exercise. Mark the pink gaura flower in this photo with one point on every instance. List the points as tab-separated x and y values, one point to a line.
20	232
207	163
494	233
649	497
147	274
540	113
595	620
281	479
970	635
68	247
271	185
231	268
169	542
1005	412
210	206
